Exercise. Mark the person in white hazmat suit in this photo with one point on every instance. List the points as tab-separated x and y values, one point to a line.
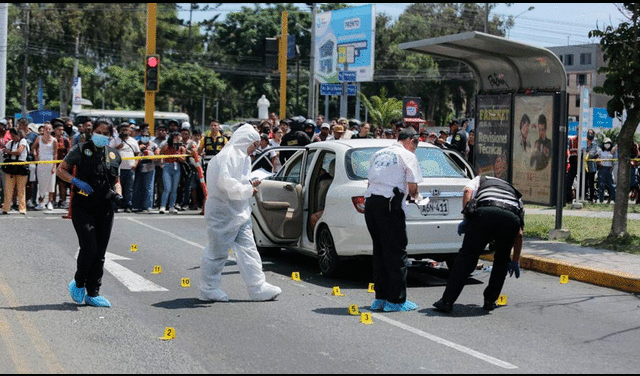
228	218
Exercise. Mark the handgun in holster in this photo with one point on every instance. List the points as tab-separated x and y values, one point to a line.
395	203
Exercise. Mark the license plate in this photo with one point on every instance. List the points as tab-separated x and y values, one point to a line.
436	206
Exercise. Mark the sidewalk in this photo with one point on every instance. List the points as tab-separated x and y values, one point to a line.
600	267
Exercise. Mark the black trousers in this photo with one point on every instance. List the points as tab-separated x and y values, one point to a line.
590	183
93	225
489	224
389	235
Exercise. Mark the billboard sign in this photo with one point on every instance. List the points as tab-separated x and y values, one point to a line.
492	135
345	41
532	163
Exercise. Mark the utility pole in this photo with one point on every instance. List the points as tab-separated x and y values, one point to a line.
311	110
486	17
150	96
26	66
4	20
282	65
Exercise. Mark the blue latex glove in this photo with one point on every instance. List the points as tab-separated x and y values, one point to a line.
514	267
462	227
83	186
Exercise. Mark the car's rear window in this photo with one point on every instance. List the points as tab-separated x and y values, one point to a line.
434	163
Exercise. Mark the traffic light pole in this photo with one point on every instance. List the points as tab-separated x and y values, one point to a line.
282	65
150	96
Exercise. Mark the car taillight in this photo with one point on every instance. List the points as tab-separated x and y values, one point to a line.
358	203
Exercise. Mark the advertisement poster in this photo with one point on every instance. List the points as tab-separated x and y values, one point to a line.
345	43
533	147
492	135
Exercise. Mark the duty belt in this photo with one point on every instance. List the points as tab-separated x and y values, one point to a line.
500	204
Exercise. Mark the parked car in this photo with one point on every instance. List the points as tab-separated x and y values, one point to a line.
315	203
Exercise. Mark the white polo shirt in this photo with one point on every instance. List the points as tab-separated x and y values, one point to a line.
391	167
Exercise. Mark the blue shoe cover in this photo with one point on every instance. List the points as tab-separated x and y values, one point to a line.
378	304
77	293
97	301
397	307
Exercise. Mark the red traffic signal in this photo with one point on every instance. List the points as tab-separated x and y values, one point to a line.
152	61
152	64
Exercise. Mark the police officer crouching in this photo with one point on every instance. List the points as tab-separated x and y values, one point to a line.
493	212
96	194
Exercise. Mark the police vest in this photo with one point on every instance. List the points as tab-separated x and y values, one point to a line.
212	146
98	167
494	189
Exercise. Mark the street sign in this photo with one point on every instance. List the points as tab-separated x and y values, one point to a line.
336	89
347	76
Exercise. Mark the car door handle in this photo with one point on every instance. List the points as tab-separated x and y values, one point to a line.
289	187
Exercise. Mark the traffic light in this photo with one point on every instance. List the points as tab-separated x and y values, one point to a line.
270	58
152	64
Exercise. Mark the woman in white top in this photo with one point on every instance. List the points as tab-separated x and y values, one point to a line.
45	148
16	150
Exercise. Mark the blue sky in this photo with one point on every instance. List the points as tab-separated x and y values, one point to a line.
547	25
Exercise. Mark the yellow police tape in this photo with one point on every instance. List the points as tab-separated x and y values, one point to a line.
124	159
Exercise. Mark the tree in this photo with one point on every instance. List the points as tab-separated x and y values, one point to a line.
620	52
382	110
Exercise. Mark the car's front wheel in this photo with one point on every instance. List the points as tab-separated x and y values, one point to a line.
328	259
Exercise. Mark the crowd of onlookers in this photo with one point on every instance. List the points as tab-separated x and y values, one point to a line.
173	183
600	169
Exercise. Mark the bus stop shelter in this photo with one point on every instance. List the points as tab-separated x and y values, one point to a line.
521	111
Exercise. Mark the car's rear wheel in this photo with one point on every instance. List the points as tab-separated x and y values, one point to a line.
328	259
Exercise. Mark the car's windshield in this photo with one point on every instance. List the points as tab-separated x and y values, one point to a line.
434	163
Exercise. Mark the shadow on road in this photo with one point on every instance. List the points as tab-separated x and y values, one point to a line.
46	307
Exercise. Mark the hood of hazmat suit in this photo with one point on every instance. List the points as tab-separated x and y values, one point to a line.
229	190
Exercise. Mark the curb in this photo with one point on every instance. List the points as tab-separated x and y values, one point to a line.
600	277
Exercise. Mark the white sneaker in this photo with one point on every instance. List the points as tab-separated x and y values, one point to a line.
49	206
173	211
264	292
40	207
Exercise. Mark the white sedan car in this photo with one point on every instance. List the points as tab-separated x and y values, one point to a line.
315	203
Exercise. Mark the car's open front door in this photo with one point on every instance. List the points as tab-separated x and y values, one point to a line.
280	203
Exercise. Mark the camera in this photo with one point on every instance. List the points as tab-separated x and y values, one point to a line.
115	197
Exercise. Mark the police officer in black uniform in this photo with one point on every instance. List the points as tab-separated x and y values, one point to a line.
494	213
212	143
458	138
295	137
96	194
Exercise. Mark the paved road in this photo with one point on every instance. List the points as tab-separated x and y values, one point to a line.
546	327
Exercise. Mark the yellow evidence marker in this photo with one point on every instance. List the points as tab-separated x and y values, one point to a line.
185	282
370	289
134	248
365	318
353	309
564	279
157	269
336	291
295	276
169	333
502	300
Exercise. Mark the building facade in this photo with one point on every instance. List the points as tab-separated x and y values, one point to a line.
581	63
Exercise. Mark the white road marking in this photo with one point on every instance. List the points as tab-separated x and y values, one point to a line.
134	282
172	235
131	280
442	341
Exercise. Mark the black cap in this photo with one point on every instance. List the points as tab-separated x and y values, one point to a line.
56	120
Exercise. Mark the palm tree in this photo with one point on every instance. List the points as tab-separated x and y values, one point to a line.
382	110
